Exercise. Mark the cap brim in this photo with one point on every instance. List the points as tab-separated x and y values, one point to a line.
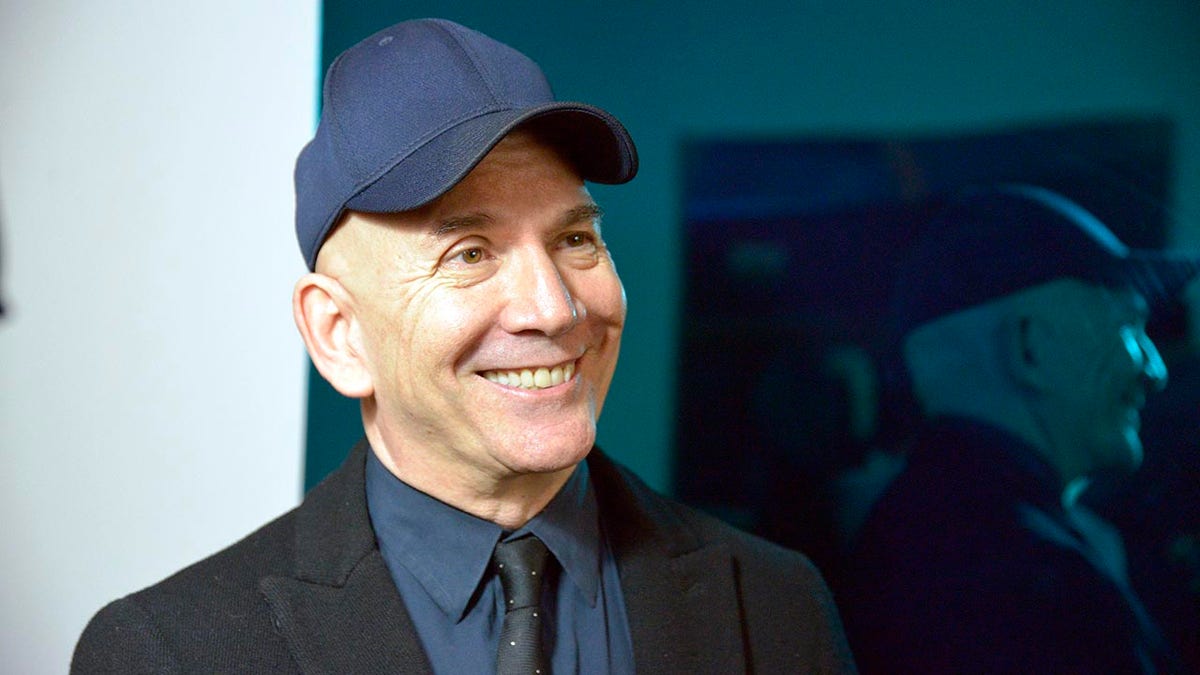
597	143
1159	277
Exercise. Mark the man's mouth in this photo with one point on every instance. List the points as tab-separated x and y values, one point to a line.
1133	418
534	377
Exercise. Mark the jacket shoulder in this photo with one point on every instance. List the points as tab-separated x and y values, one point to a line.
788	611
627	499
214	616
208	617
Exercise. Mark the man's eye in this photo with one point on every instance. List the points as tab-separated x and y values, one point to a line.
577	239
471	255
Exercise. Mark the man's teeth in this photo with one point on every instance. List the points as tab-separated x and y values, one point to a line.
536	378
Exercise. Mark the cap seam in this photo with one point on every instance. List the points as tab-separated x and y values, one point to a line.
408	150
475	61
330	110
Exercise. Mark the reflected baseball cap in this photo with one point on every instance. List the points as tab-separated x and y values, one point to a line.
994	241
409	111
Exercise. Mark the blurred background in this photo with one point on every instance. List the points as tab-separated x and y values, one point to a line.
155	403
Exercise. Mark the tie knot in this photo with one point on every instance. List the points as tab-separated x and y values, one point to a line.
521	564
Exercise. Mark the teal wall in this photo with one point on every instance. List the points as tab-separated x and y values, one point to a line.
677	70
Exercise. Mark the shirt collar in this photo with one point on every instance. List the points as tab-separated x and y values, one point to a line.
570	528
447	550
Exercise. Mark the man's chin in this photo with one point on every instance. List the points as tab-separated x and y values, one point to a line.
1133	446
551	457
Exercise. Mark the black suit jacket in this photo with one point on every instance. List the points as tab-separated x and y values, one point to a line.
309	592
970	564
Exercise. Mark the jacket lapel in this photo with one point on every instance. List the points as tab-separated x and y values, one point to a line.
340	612
680	592
360	627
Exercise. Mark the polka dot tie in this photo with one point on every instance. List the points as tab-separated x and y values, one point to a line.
521	564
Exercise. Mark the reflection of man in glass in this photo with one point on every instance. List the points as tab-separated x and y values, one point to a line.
1024	321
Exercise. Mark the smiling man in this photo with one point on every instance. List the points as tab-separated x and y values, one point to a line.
483	328
1024	320
461	289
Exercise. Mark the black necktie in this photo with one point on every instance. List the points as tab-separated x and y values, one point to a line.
521	565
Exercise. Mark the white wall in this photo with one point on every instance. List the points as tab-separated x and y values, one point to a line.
151	382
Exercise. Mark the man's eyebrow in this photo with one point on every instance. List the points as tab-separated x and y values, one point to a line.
1128	304
453	223
582	213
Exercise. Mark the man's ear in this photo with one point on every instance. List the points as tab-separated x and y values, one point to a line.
1024	345
324	314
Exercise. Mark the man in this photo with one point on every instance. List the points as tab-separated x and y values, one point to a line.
1024	321
461	289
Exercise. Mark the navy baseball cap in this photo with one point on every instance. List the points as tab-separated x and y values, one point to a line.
409	111
998	240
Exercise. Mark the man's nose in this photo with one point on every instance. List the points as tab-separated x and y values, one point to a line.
538	297
1154	369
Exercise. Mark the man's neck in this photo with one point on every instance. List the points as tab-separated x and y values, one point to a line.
509	501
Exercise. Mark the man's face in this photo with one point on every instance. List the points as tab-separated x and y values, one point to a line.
1103	366
489	320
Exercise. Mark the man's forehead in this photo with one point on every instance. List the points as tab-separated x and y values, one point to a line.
1127	299
585	212
1121	302
470	202
1068	295
434	226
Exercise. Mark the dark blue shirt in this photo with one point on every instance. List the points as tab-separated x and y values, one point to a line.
439	558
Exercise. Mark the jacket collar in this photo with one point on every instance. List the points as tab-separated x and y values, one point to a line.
340	612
